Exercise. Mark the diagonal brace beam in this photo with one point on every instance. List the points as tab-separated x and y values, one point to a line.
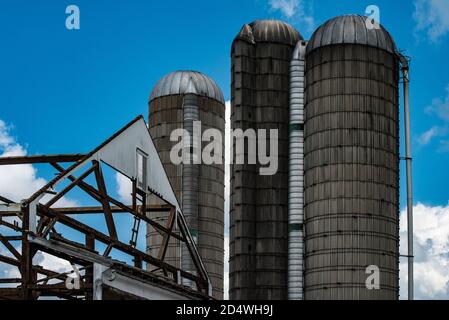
71	186
104	201
166	239
10	247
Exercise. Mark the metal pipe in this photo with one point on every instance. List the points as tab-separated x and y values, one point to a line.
296	175
408	161
190	176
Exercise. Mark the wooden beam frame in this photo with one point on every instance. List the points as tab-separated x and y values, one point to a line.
104	201
10	247
166	239
40	159
45	238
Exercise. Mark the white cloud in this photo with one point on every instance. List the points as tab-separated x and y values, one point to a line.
287	7
295	9
433	132
432	17
5	138
43	259
52	263
440	106
431	251
19	182
7	271
124	188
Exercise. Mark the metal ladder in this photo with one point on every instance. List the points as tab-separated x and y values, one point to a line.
135	232
136	225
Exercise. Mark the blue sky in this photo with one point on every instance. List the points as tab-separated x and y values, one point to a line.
65	91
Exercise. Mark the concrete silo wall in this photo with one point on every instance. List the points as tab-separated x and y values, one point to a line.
166	115
211	200
259	204
242	231
351	172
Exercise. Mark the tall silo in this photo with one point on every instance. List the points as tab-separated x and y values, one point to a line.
260	55
351	160
176	102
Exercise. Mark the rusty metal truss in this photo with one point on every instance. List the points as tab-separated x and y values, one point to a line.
37	224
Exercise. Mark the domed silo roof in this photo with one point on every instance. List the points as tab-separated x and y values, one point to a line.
187	81
269	31
351	29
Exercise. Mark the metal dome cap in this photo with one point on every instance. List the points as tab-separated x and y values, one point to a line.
187	81
269	31
351	29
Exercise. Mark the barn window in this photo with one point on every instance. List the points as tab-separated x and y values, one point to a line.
141	169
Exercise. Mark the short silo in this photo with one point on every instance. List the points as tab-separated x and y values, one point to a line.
351	161
177	101
260	57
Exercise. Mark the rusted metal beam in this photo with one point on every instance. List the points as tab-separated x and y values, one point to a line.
166	239
83	185
10	225
26	261
102	196
10	280
138	262
10	293
60	290
36	269
10	213
134	194
89	274
13	238
94	193
10	247
192	250
9	260
72	223
105	203
60	254
114	209
5	200
154	224
108	250
71	185
48	227
41	159
49	273
57	237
